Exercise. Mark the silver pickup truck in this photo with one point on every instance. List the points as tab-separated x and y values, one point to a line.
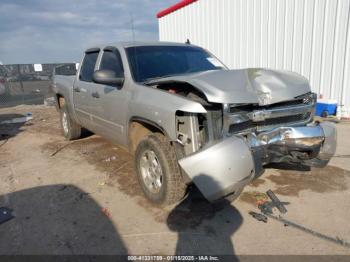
188	119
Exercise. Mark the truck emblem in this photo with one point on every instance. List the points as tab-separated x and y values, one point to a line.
262	115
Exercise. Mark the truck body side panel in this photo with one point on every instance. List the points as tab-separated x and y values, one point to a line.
63	86
160	107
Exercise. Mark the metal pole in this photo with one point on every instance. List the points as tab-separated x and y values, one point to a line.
20	81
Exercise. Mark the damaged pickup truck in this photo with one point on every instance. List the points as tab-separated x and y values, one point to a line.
188	119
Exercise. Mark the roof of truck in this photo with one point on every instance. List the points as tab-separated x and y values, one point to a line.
137	43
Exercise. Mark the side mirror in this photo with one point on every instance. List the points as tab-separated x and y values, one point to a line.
107	77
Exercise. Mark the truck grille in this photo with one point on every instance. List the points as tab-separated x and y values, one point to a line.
247	108
260	118
236	128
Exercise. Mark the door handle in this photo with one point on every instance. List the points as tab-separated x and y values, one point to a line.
76	89
95	94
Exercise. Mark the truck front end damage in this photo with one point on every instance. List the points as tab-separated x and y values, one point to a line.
226	148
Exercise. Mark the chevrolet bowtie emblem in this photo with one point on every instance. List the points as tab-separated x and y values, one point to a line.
262	115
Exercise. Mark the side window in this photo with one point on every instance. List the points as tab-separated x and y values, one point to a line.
88	67
112	61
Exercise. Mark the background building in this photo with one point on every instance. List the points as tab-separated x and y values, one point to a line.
310	37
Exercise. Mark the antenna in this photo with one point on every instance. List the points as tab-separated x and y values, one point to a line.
134	47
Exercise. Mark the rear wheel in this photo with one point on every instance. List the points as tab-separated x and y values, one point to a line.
158	172
71	130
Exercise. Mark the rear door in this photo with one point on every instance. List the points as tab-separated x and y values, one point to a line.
83	89
111	102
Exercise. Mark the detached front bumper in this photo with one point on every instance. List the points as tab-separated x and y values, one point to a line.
233	162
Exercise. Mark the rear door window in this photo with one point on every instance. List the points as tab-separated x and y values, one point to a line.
88	66
112	61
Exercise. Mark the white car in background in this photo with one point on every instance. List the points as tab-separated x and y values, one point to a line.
4	87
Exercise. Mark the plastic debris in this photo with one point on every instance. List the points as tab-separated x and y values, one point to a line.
258	216
277	203
106	212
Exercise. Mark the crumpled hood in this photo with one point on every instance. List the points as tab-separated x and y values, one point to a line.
254	85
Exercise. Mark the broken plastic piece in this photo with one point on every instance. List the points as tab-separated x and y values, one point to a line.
106	212
259	217
276	201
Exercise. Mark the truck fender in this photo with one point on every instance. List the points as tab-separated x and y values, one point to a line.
159	108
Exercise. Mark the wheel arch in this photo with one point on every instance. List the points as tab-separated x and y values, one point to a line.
60	100
140	127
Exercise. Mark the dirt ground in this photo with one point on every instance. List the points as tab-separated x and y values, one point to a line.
84	199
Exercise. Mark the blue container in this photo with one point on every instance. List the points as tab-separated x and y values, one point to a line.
326	108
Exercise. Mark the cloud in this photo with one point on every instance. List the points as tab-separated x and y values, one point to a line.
41	31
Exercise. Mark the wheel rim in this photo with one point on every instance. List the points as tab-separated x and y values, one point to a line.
151	171
65	122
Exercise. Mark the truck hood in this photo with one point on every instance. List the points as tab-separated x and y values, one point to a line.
244	86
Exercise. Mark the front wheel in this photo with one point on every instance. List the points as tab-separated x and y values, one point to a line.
158	171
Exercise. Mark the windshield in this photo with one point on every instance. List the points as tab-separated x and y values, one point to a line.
149	62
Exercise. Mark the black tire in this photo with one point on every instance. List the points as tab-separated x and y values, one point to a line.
172	188
324	114
72	130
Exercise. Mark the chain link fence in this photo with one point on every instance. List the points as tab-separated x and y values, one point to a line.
27	83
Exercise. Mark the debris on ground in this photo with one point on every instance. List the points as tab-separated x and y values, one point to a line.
5	214
258	216
109	159
106	212
260	198
286	222
276	201
268	206
266	211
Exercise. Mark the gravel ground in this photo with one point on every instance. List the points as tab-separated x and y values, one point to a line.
84	199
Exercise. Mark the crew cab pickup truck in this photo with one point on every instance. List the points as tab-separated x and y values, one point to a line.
188	119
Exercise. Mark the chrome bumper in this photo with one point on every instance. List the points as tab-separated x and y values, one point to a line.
230	164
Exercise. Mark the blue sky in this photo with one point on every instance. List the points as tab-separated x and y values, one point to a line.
51	31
